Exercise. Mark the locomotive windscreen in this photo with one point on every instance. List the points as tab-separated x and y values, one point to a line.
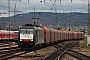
26	31
26	34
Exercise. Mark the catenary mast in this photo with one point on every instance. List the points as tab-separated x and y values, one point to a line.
88	17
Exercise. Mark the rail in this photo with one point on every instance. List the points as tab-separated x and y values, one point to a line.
78	55
60	51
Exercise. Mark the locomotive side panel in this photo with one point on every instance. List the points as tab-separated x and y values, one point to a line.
70	36
52	34
75	35
61	35
58	35
55	35
65	36
40	36
47	35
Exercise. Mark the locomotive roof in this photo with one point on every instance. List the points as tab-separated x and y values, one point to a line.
31	25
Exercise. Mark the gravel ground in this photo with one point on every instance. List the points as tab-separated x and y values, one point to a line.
44	52
33	56
68	57
40	53
77	48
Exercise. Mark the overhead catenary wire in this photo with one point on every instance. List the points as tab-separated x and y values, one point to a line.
53	5
46	4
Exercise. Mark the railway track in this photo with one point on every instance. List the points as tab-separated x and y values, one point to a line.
9	52
60	51
66	49
14	51
4	44
78	55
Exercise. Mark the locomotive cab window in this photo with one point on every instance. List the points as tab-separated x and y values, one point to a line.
26	31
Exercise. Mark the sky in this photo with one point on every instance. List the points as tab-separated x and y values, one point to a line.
55	6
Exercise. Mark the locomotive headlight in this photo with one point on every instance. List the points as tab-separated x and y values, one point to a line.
20	40
31	39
